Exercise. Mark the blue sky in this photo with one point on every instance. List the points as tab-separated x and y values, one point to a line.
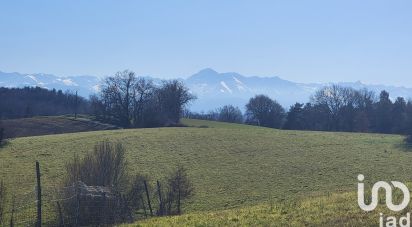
304	41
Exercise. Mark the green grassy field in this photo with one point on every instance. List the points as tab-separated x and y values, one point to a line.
235	169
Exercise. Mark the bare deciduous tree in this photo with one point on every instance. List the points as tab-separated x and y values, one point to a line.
346	107
264	111
118	93
231	114
129	101
173	97
144	90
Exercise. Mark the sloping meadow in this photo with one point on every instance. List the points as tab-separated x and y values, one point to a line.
231	167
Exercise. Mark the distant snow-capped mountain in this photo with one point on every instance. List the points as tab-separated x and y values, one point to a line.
84	85
220	89
213	89
216	89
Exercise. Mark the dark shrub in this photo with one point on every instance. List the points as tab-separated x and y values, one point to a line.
98	190
105	166
179	188
98	185
2	136
136	194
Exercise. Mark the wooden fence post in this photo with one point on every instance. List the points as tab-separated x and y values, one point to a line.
77	187
161	205
148	198
178	201
103	211
12	211
144	207
61	219
39	221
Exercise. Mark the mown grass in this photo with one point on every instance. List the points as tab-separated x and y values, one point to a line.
214	124
231	166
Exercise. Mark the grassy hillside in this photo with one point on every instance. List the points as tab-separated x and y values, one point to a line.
36	126
329	210
232	166
332	210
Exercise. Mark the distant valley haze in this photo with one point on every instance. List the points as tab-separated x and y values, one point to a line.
213	89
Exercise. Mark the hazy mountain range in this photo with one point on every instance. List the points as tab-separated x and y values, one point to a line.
85	85
213	89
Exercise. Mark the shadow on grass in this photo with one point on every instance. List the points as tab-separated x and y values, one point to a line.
4	143
406	144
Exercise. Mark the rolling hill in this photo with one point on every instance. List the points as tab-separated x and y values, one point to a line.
46	125
239	172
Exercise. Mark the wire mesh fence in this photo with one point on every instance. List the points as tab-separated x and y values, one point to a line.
21	210
77	204
74	205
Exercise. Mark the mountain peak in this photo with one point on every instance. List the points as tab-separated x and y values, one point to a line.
205	74
207	71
